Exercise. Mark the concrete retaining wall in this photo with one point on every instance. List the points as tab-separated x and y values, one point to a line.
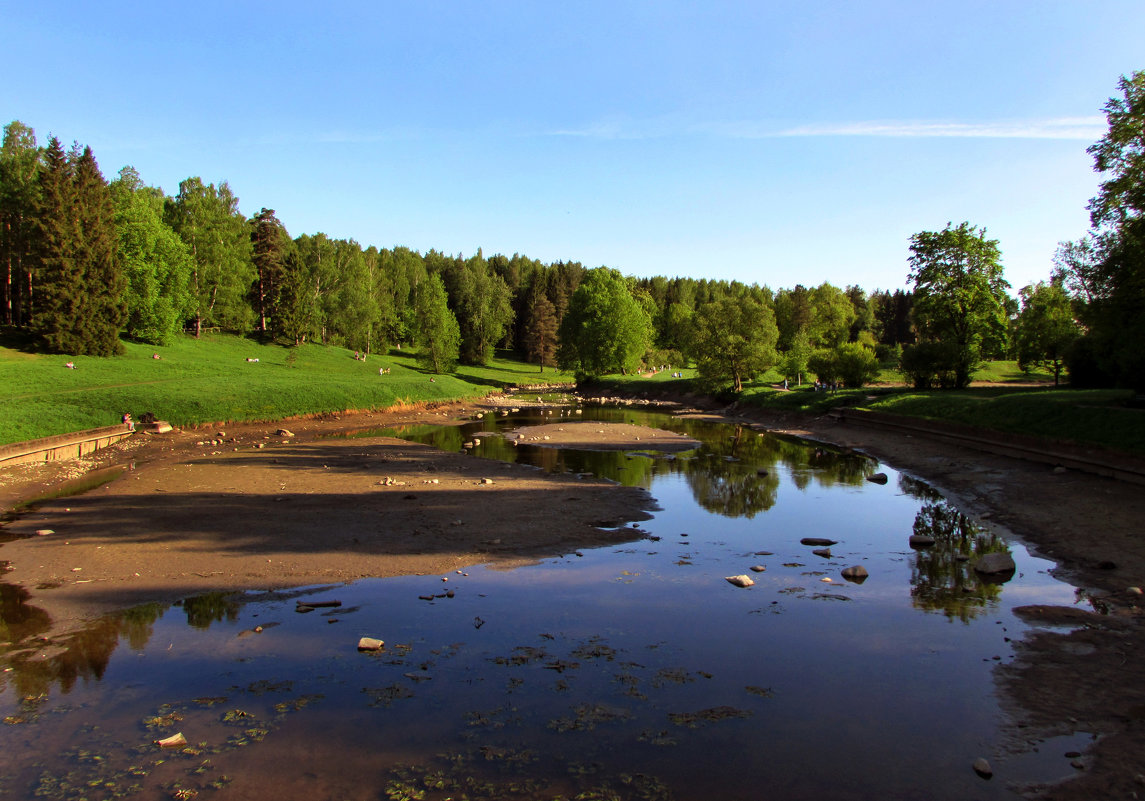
1089	458
62	446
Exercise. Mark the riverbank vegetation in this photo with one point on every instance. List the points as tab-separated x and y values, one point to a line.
93	269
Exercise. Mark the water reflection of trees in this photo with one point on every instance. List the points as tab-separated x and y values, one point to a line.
203	610
942	576
733	472
37	665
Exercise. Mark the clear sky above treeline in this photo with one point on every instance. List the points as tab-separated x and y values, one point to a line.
767	142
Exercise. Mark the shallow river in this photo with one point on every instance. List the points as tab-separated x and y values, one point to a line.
629	672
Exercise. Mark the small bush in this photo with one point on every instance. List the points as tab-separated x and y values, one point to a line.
856	365
930	364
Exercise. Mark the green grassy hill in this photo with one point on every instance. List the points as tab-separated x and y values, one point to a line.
210	380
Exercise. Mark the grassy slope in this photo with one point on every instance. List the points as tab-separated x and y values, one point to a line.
209	380
1100	417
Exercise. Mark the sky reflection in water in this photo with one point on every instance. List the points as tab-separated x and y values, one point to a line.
633	671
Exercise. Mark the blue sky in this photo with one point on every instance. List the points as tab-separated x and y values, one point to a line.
768	142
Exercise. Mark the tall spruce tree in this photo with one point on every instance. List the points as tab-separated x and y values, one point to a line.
103	309
58	298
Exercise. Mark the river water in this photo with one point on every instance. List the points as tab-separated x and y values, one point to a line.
634	671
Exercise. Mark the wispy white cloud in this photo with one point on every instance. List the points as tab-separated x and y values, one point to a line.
1086	129
617	128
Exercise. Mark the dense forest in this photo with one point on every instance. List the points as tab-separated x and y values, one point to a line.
86	261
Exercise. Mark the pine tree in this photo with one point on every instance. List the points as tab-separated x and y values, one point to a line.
267	237
540	333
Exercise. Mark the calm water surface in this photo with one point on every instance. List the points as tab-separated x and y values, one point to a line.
628	672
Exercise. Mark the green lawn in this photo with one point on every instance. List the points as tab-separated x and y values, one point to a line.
1099	417
210	380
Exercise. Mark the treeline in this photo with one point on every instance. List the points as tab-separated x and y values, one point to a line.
86	262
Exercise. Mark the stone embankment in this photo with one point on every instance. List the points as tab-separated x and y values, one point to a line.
62	446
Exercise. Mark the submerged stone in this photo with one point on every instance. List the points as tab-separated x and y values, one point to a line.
993	563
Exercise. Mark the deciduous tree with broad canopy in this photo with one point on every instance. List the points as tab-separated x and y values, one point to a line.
605	329
959	294
734	340
1045	328
436	332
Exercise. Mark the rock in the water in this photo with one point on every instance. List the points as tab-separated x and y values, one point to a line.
982	768
921	541
282	432
993	563
855	572
370	644
43	532
877	478
758	568
818	541
740	581
1059	470
824	552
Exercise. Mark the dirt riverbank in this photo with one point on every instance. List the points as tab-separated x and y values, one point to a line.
246	507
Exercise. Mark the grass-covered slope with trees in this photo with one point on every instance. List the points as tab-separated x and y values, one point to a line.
210	380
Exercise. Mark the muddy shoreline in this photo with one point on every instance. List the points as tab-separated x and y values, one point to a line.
178	522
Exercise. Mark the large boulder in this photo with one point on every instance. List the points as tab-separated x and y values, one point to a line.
856	573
